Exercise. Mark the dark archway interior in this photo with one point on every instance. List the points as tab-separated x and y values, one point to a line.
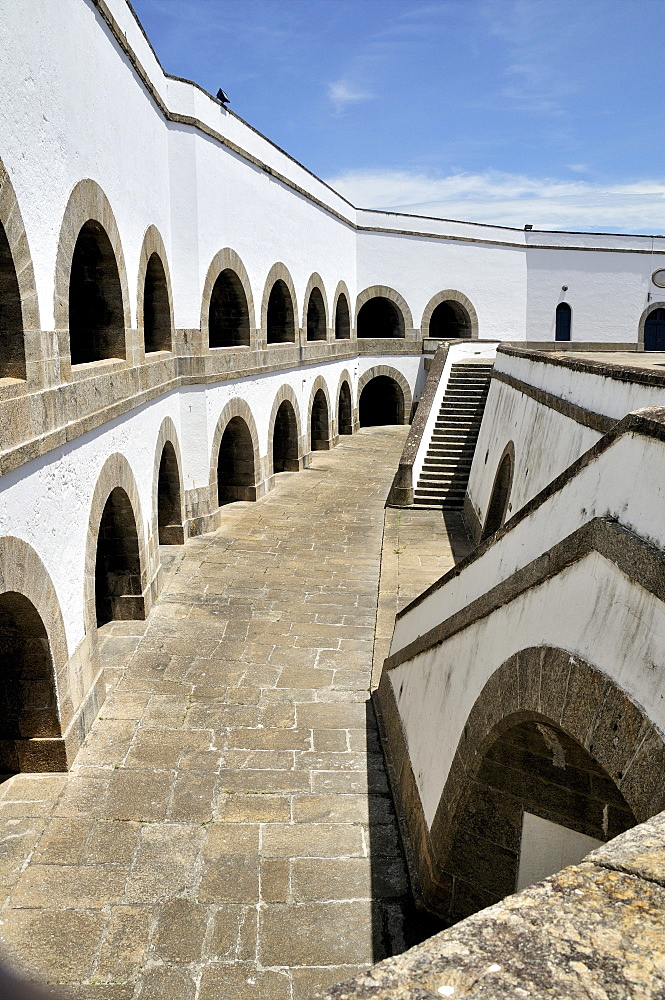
344	410
381	402
563	321
532	767
316	316
157	323
169	503
96	317
285	439
28	706
496	509
12	350
450	321
654	331
320	424
280	323
117	564
342	319
236	474
228	315
380	317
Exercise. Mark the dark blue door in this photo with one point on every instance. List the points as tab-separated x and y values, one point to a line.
654	331
563	317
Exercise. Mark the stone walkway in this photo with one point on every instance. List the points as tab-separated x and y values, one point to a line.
226	831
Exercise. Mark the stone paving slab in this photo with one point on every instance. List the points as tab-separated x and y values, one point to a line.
226	830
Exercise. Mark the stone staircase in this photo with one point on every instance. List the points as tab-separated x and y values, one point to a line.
447	465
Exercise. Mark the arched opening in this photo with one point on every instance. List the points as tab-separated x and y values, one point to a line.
169	503
380	317
342	319
285	439
654	331
381	402
450	321
498	505
316	316
228	315
539	802
12	350
28	704
344	410
280	325
320	425
236	475
563	321
157	323
117	562
96	315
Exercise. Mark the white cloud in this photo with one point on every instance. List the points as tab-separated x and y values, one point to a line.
342	93
512	199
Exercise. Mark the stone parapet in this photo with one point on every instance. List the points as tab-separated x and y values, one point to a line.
591	930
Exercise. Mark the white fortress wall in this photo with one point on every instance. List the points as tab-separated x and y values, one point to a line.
622	638
545	440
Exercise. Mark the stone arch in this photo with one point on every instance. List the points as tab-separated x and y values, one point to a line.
319	417
293	459
228	260
341	324
497	507
377	371
315	285
157	309
34	644
551	715
116	474
279	273
405	320
451	296
88	213
344	408
168	487
644	317
247	475
19	307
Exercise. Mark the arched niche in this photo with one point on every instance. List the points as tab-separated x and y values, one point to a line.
117	559
168	488
450	315
386	401
319	417
497	507
284	435
342	313
382	313
19	309
227	305
279	318
344	405
155	295
563	321
235	463
91	295
316	322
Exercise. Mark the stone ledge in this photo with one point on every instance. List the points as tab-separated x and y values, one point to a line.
591	930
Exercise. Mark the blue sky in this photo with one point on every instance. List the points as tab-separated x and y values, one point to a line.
550	112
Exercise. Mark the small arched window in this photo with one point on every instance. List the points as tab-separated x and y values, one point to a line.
563	320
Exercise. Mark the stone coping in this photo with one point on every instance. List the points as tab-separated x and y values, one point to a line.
620	372
592	930
114	388
649	421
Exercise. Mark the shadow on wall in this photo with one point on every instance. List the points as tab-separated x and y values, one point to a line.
396	922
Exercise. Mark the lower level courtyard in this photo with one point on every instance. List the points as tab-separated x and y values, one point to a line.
227	829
